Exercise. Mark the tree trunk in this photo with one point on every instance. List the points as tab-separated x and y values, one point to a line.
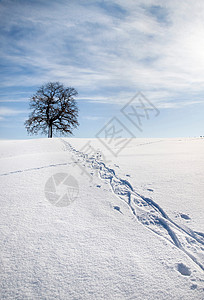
50	131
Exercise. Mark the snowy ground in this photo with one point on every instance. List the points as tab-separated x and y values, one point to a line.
130	227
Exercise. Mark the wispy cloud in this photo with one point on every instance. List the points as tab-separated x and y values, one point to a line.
108	50
92	118
8	112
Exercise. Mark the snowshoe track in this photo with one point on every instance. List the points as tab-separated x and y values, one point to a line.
147	211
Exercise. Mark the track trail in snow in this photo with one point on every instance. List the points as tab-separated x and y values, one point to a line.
147	212
34	169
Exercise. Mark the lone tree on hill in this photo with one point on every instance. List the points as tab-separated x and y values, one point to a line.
54	109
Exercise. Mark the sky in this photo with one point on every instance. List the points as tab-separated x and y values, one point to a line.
109	51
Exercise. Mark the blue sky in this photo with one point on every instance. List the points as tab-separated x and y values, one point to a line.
108	51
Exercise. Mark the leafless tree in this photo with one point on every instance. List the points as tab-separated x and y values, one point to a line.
54	110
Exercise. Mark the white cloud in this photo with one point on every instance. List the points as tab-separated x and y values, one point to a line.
5	111
92	118
92	49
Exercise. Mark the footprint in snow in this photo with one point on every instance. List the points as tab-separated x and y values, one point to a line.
194	286
117	208
184	216
183	269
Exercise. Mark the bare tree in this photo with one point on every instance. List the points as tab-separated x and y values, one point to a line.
54	109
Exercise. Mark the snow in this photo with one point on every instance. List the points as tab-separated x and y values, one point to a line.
129	227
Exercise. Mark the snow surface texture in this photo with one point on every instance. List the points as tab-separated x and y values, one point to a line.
119	238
